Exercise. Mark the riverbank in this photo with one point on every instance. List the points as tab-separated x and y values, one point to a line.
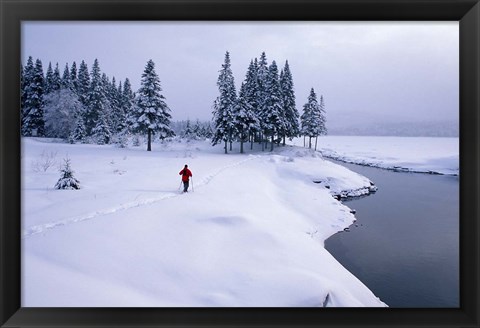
405	243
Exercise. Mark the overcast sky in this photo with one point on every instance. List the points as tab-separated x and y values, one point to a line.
366	71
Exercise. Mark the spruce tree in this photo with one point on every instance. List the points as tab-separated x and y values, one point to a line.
28	73
74	78
224	105
96	99
273	105
83	83
56	80
33	121
151	113
311	118
49	79
250	93
289	108
262	74
127	103
67	180
245	119
65	82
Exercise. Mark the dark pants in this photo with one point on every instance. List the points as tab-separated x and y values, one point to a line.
185	186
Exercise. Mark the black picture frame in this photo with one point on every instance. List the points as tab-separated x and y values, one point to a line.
13	12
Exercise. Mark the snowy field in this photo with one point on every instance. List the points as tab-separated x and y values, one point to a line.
250	232
412	154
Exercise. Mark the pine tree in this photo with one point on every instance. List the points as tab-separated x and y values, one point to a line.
188	132
197	130
127	104
33	123
223	114
245	118
83	83
151	113
289	108
28	73
22	92
74	78
65	82
78	134
96	100
56	80
67	180
250	93
262	74
311	118
273	105
102	133
49	79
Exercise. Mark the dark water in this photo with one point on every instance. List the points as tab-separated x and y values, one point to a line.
405	243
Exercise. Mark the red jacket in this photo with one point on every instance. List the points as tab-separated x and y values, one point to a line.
185	173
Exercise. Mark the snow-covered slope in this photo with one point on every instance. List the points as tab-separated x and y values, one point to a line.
249	233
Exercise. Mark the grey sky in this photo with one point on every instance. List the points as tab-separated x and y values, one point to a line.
366	71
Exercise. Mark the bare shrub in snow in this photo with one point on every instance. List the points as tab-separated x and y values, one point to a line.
46	161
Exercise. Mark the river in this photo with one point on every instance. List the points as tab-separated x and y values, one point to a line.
404	245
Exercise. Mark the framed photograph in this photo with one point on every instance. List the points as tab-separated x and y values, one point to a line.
239	163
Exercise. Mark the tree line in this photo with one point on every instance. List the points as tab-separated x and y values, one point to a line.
88	107
264	109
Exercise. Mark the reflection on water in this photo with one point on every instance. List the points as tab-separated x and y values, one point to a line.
405	243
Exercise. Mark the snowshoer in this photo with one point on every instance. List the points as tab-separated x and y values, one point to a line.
186	174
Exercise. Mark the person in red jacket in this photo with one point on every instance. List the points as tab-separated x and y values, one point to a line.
186	174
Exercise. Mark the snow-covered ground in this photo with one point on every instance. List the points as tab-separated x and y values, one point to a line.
250	232
413	154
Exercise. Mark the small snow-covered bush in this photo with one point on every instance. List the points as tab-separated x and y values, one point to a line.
67	180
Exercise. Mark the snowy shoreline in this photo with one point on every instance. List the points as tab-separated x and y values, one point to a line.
429	155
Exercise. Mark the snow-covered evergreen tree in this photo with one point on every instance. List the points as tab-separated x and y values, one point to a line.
224	105
188	131
49	79
246	122
262	74
127	104
311	119
102	133
67	180
74	77
78	134
197	130
151	113
56	83
96	99
289	108
273	105
83	83
66	82
33	123
250	94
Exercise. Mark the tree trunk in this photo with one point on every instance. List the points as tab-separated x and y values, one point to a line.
303	141
149	144
284	137
225	147
261	141
316	139
310	143
251	141
230	146
241	144
271	147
